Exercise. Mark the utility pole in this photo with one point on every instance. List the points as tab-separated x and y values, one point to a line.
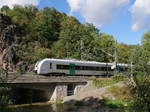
115	56
67	49
81	49
131	69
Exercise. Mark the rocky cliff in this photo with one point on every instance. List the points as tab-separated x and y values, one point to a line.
10	36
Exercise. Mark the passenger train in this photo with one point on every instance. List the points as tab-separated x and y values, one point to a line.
75	67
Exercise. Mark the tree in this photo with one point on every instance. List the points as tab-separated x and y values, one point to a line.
5	9
124	52
68	38
141	77
105	48
146	43
47	26
72	35
89	35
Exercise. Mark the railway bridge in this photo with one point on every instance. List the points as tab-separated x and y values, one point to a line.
48	88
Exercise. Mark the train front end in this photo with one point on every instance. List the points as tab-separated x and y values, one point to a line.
36	67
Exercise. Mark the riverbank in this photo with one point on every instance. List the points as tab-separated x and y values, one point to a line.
113	92
32	104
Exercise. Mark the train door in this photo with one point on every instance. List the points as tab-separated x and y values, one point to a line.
50	67
72	69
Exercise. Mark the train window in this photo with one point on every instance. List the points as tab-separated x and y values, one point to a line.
65	67
87	68
81	68
77	67
97	68
92	68
122	69
59	66
103	68
109	68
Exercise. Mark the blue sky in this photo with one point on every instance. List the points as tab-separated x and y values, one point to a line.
119	27
126	20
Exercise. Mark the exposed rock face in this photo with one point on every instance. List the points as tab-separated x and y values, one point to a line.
10	34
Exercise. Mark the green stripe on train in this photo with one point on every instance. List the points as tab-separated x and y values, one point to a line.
72	70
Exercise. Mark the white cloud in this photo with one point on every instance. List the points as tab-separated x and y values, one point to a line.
75	4
11	3
141	14
99	12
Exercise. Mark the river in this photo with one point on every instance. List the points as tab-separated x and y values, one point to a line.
66	108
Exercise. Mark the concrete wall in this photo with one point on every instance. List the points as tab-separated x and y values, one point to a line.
59	92
78	87
51	92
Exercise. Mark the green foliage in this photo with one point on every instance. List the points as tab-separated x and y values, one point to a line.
120	77
3	77
38	54
141	75
58	101
117	103
47	25
5	96
121	92
124	52
142	96
146	43
102	82
105	43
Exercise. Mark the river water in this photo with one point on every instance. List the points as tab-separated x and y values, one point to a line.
66	108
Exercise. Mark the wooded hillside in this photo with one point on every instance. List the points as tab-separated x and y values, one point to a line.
28	34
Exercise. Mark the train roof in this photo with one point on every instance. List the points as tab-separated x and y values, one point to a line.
74	61
81	61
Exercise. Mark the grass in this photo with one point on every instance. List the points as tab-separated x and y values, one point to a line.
117	103
58	101
121	92
102	82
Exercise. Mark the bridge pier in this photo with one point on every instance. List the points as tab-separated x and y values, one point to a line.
66	89
60	91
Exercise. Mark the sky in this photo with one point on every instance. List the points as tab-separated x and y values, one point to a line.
126	20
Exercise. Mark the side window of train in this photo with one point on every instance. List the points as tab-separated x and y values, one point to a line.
50	65
103	68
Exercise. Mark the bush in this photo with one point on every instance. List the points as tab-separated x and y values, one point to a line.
121	92
142	96
120	77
